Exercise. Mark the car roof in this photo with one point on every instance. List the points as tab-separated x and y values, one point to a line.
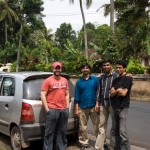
32	74
25	73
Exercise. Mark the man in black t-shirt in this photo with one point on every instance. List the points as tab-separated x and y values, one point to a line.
120	93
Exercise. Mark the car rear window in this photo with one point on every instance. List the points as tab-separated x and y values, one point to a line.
32	89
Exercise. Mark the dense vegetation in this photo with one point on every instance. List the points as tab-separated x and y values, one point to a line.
29	45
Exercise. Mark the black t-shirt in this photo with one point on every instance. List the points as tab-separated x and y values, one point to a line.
124	82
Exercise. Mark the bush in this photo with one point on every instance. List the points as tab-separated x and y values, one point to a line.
148	70
135	67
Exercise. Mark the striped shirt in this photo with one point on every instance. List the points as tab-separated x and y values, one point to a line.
105	87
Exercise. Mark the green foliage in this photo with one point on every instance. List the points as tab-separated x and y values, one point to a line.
133	21
39	48
135	67
64	33
44	67
73	58
13	67
148	70
56	54
8	54
89	25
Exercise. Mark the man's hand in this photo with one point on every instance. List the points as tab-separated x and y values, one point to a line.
77	112
97	106
122	92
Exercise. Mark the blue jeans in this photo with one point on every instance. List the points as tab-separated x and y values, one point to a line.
119	137
56	126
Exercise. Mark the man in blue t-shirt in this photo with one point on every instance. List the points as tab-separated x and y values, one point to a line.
120	93
85	101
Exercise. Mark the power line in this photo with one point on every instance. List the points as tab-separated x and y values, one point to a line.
71	14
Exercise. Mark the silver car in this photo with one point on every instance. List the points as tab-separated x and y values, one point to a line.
22	115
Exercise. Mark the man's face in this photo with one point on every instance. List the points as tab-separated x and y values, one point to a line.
57	71
120	70
107	67
85	70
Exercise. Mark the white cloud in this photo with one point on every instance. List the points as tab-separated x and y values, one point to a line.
58	12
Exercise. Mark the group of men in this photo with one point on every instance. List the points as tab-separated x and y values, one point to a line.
95	98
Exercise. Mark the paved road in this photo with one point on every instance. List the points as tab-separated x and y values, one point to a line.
138	123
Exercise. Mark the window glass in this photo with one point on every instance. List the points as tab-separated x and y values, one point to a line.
32	89
8	87
0	80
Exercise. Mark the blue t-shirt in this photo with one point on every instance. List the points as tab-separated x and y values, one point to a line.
86	92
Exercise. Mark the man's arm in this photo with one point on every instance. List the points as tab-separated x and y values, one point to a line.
127	87
97	98
119	92
113	92
44	101
122	92
77	112
67	98
76	99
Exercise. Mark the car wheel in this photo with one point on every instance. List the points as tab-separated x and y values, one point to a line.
16	138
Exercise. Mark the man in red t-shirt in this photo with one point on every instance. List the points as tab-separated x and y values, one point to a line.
55	98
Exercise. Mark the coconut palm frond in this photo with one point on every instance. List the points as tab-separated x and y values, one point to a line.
88	3
106	9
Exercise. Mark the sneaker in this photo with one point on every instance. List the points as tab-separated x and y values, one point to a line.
84	147
106	146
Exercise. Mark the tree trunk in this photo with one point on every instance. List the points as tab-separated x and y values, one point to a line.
19	49
46	57
85	32
111	17
6	38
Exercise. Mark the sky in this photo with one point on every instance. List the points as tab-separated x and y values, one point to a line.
59	11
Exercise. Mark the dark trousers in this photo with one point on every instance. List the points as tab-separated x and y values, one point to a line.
56	126
119	137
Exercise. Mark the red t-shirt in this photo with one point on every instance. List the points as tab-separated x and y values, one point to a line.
56	96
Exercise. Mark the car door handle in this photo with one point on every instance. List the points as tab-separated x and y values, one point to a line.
6	106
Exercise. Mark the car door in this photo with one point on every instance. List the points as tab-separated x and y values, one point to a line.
7	92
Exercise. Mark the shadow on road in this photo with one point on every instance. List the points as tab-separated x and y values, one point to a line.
5	143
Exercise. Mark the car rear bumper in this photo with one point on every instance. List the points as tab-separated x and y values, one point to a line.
32	132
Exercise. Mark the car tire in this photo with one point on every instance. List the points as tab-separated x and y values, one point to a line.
16	138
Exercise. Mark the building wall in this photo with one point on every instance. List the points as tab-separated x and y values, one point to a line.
6	68
140	90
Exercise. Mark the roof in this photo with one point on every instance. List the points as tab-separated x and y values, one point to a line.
32	74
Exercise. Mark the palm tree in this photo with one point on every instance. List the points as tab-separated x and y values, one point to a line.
7	14
132	18
19	47
88	4
109	9
111	17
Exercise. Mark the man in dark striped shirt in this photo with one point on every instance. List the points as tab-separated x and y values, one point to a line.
104	102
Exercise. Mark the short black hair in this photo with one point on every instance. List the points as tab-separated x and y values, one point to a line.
85	64
122	62
106	61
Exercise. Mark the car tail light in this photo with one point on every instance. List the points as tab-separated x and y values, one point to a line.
27	115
